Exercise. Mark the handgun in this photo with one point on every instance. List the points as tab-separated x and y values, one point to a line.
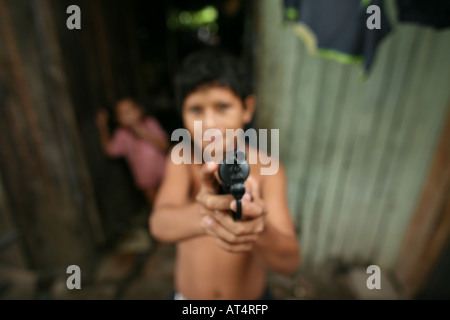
233	172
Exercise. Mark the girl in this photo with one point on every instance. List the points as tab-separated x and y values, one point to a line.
140	140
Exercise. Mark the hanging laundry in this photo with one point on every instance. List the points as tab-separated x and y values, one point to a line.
433	13
338	29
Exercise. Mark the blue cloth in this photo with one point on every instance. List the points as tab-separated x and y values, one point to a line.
341	26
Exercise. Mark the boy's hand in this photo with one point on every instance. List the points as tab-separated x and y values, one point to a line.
208	196
102	118
231	235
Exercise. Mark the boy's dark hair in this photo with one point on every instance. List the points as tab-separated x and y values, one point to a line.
211	66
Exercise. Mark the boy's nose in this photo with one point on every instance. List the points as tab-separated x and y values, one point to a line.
210	120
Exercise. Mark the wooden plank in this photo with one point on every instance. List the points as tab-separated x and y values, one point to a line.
302	126
21	87
344	138
380	148
278	55
435	246
411	269
425	134
101	41
397	158
11	248
20	154
60	104
372	108
131	28
333	90
116	197
43	164
364	181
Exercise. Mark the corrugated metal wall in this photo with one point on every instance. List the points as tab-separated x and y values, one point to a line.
356	151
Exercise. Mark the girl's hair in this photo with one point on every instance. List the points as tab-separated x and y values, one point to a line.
128	97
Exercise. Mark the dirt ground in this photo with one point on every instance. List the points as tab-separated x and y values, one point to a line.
149	276
142	269
139	268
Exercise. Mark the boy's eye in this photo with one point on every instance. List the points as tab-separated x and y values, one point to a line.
223	106
195	110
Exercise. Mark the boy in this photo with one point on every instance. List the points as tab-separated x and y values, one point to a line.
217	257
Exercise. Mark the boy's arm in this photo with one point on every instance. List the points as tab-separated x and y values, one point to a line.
174	217
277	245
267	228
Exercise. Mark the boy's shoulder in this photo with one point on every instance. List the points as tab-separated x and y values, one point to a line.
265	163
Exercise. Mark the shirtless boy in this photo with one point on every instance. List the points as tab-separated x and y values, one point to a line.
218	257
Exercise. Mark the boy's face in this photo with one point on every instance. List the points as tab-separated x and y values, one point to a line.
217	108
128	113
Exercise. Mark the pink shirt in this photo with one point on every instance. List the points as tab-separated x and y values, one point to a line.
146	161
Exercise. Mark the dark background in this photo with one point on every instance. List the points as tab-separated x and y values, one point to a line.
138	55
58	190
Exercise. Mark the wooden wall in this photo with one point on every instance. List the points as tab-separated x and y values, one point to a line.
63	198
357	151
102	63
424	251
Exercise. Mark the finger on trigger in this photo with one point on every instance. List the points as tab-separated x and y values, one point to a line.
217	202
247	197
249	209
